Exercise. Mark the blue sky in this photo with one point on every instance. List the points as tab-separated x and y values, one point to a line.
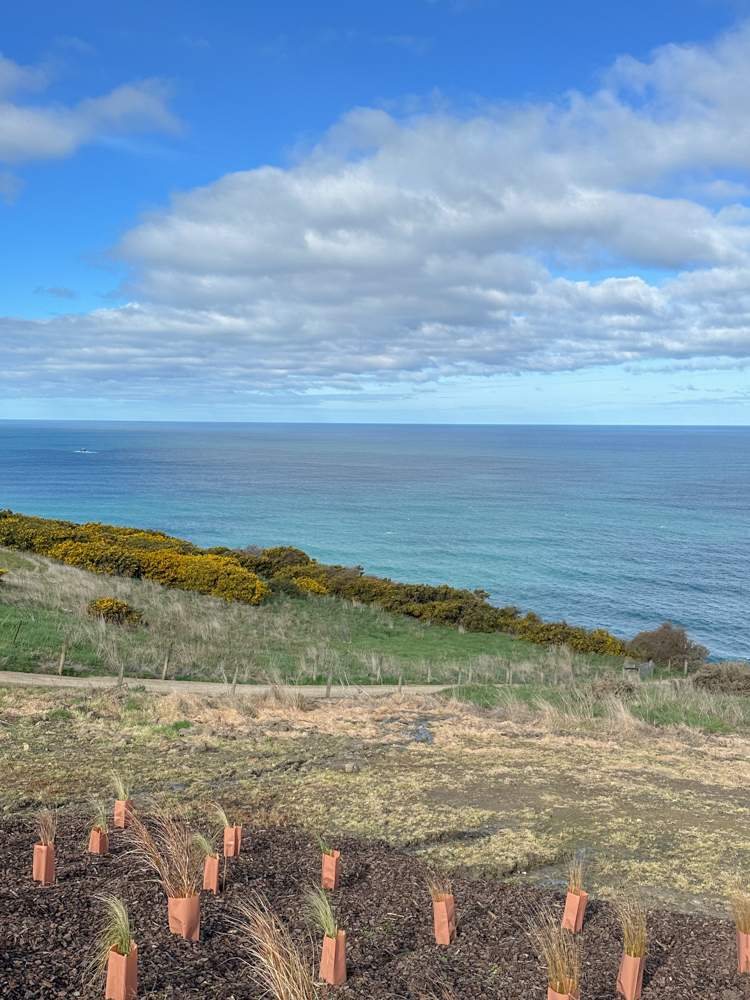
439	211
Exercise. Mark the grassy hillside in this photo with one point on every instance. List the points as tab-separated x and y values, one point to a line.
302	639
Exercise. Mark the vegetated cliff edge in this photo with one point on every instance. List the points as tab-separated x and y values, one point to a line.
251	575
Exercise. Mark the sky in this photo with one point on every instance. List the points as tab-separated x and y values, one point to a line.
469	211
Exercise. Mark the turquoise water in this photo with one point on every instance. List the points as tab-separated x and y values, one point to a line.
615	527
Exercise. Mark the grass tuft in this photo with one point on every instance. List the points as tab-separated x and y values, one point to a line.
278	966
205	844
632	913
740	903
220	815
439	886
325	849
99	819
319	911
122	785
559	949
170	851
46	824
575	875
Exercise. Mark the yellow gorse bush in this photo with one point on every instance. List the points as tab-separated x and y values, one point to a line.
148	555
115	612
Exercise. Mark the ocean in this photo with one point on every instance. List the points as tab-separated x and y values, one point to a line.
614	527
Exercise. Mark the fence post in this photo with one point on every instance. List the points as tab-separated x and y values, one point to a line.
234	679
63	655
166	662
400	679
328	684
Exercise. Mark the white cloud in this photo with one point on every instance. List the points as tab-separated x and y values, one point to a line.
41	132
438	245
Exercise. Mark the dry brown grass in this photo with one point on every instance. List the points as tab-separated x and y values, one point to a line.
170	851
46	824
559	949
438	885
278	965
740	903
632	913
575	875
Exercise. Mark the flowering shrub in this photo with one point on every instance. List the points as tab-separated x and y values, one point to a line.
310	586
148	555
115	612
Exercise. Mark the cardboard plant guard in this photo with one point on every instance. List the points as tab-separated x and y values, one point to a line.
44	863
575	908
444	912
232	840
211	874
630	976
98	842
185	916
743	952
123	812
333	959
572	995
122	974
331	870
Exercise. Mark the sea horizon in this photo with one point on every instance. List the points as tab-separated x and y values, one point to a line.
612	526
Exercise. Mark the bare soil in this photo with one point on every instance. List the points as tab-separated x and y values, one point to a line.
47	933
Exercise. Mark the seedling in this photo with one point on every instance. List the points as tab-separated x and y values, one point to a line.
278	966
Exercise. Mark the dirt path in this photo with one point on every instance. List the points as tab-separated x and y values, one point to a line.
10	677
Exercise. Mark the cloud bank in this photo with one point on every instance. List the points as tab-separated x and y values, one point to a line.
596	230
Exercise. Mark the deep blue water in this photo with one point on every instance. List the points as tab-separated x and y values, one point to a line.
619	527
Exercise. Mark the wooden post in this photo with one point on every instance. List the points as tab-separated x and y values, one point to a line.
470	673
429	671
63	655
510	675
400	679
459	677
234	679
380	664
328	684
121	673
686	668
166	662
18	629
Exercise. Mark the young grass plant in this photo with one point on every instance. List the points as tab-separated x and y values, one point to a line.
575	875
632	913
559	949
278	966
46	824
740	903
325	849
319	911
99	820
439	886
170	851
122	786
221	816
116	932
206	845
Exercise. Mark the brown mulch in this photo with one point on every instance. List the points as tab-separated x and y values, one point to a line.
46	933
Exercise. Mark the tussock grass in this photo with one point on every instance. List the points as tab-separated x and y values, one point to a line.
99	817
632	913
206	845
560	950
438	885
46	825
220	815
169	850
740	903
116	932
277	964
319	912
122	786
575	875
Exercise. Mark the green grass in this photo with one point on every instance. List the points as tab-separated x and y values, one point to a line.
304	640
